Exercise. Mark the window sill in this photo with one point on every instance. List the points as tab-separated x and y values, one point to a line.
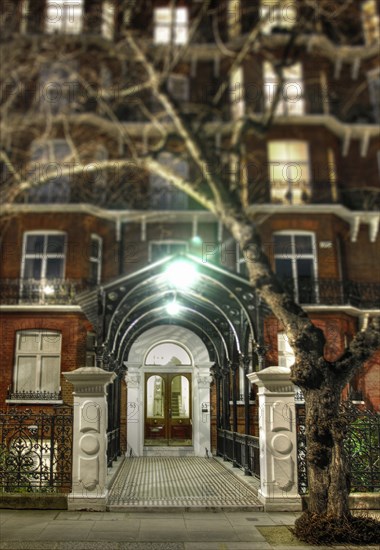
33	401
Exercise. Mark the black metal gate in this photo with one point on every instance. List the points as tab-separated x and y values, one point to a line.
36	450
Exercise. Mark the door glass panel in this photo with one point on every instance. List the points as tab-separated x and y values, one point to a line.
180	397
156	397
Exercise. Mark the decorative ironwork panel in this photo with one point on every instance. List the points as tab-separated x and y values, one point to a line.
362	445
36	450
301	449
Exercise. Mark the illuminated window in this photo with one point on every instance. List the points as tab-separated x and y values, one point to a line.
170	25
277	15
291	100
64	16
371	22
37	362
289	171
296	264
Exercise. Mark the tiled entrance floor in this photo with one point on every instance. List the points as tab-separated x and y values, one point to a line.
185	482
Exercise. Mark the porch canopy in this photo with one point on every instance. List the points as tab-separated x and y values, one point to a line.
219	306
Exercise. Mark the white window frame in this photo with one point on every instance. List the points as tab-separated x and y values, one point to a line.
169	29
277	13
168	243
291	101
63	16
96	260
289	189
44	255
370	22
39	355
293	255
108	20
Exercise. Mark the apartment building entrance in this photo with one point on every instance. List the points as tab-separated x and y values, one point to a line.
168	409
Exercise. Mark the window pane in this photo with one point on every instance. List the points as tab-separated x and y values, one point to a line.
32	269
50	371
26	374
282	244
155	390
51	341
284	269
95	248
304	244
54	268
28	342
180	397
35	244
305	268
56	244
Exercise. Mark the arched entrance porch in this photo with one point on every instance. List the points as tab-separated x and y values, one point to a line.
177	362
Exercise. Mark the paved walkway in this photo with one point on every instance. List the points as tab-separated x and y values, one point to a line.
61	530
180	482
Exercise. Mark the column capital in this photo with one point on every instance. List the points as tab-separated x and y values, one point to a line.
272	380
91	381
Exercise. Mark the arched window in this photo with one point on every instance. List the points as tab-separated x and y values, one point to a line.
168	353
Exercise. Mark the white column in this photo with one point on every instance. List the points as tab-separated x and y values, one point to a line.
89	490
135	413
202	409
278	441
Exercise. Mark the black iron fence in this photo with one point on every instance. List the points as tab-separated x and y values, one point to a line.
241	449
362	445
36	450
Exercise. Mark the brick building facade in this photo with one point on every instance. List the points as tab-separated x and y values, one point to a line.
78	238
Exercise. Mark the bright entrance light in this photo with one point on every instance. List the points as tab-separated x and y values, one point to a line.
181	274
173	308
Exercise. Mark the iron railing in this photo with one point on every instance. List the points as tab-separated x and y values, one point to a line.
34	395
48	292
362	446
332	292
240	449
113	446
36	450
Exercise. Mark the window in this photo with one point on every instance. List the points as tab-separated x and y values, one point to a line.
237	93
24	16
57	87
371	22
374	92
291	101
64	16
289	172
161	249
170	25
95	259
178	86
164	196
44	256
108	20
277	15
296	265
37	364
50	157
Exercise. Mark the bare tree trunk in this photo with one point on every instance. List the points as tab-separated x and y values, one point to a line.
327	472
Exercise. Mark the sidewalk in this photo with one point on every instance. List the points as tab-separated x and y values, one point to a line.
62	530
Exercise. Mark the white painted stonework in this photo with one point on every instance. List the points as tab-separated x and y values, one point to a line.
89	490
201	380
278	442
